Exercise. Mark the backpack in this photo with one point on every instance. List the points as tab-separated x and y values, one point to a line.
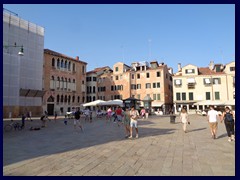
229	116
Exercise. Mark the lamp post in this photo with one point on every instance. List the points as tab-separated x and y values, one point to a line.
20	53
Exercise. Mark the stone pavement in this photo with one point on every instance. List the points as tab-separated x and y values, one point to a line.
162	149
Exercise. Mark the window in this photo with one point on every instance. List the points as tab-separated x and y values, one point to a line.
158	74
116	78
232	68
216	81
94	79
138	76
74	67
65	65
184	96
62	64
207	81
133	86
148	85
138	86
138	96
132	76
218	68
158	85
154	97
69	66
190	96
178	96
83	70
208	96
178	82
158	97
154	85
53	62
58	63
190	71
217	96
148	75
116	69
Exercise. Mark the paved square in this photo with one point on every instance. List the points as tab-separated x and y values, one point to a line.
162	149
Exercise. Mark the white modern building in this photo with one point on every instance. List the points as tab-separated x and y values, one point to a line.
22	74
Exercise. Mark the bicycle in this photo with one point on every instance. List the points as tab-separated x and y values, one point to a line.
15	125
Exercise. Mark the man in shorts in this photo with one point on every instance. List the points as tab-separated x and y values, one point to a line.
213	123
134	115
77	120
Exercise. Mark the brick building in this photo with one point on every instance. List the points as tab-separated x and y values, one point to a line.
139	80
64	82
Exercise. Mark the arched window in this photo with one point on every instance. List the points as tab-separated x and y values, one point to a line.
65	65
73	67
62	86
61	98
50	99
53	62
57	99
78	99
52	83
69	99
58	63
62	64
58	82
65	83
65	99
94	98
73	99
69	66
69	80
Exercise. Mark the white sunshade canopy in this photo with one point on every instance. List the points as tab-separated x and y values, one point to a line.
207	81
178	81
116	102
191	80
209	102
93	103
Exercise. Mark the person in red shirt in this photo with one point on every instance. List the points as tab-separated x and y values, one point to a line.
119	115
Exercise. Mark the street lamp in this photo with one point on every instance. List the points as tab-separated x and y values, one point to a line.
20	53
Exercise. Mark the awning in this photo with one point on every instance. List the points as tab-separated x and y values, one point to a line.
157	104
191	80
178	81
31	93
207	81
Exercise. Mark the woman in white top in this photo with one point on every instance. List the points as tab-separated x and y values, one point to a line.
184	119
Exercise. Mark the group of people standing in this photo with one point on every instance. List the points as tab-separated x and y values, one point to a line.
227	117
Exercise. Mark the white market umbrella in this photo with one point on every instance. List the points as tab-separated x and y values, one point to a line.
116	102
93	103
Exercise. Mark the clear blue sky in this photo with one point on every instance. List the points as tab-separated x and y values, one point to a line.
103	35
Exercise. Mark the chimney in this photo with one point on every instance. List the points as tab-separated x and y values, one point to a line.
179	67
77	58
211	65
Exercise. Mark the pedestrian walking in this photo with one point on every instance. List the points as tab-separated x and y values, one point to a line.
126	122
119	115
43	119
29	115
228	118
184	119
147	113
109	114
143	112
77	120
65	120
134	115
212	117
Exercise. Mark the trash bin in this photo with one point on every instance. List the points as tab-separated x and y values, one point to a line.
172	118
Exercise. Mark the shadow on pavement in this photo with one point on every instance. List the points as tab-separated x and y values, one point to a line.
58	138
